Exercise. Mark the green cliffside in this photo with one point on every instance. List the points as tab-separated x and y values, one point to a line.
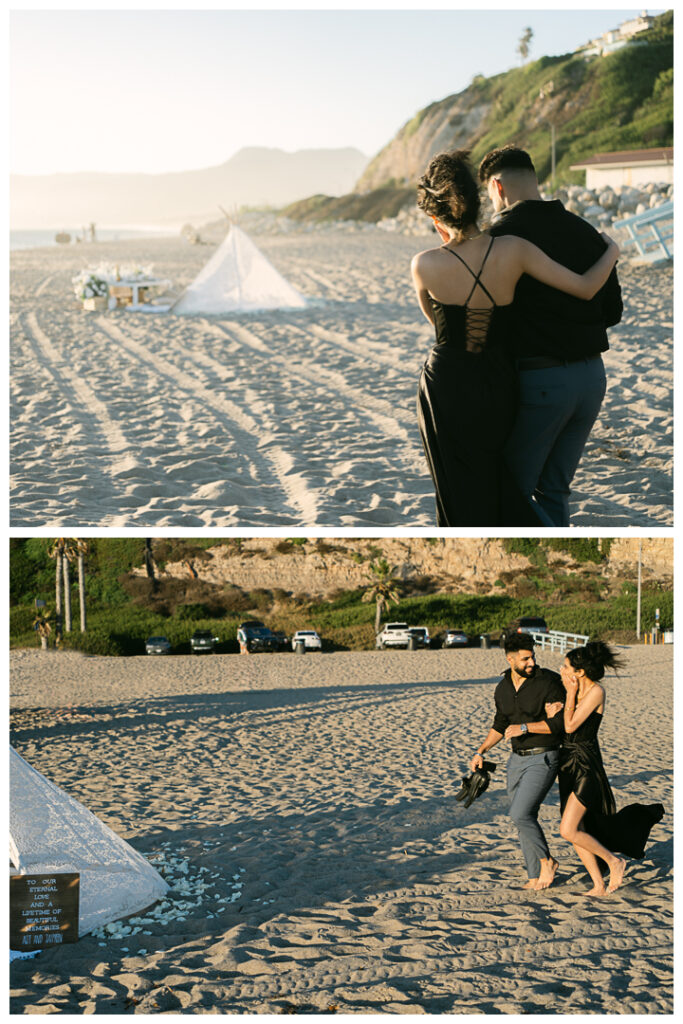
599	104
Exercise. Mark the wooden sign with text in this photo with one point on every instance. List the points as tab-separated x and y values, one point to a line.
43	910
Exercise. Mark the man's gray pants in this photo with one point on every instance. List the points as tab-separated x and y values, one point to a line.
558	407
529	779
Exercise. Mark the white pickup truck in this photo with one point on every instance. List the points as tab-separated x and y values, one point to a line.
397	634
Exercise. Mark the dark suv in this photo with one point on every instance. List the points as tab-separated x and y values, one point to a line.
203	641
525	624
256	636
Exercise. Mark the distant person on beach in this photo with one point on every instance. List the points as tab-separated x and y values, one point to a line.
528	700
468	392
555	337
589	818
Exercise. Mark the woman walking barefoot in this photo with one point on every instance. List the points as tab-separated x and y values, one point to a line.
468	395
589	818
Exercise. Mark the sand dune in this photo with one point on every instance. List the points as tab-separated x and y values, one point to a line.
312	801
282	419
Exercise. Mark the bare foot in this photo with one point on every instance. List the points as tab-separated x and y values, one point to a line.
596	892
616	875
548	871
531	884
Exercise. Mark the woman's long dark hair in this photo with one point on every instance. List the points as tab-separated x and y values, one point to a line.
594	658
449	191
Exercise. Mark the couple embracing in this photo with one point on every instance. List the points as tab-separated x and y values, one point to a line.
513	385
552	722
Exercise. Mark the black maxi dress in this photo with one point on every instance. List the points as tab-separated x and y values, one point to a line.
582	772
466	404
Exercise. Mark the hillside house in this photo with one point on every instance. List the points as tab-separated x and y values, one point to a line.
613	40
635	167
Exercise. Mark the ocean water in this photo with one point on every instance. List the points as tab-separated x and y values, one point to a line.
32	239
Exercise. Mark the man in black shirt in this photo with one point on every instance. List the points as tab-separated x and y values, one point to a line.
528	700
557	339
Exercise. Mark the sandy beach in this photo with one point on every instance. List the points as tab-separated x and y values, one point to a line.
283	419
312	801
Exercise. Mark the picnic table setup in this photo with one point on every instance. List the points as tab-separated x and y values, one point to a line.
109	287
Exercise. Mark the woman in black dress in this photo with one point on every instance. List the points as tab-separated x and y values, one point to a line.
467	397
589	818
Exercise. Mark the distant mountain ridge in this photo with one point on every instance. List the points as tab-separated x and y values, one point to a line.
254	176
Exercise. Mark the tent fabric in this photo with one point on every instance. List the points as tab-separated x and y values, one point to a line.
238	279
52	832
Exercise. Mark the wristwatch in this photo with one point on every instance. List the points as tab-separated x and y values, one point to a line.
525	728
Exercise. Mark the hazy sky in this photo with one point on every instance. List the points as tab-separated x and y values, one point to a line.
173	90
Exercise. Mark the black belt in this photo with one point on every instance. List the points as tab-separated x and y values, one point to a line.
533	750
546	362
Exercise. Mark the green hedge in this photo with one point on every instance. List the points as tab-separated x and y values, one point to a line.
347	622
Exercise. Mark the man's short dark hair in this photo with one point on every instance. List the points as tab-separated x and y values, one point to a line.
509	158
518	642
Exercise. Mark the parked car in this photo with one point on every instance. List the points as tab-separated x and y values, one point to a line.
158	645
394	634
257	637
455	638
203	641
525	624
421	634
312	641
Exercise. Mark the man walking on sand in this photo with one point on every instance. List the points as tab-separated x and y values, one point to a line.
557	340
527	701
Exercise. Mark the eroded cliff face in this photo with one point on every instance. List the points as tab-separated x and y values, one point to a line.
657	557
321	567
451	123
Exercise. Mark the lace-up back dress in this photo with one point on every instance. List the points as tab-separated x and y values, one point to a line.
582	773
467	402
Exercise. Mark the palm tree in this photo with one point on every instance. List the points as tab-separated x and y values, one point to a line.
42	627
57	552
382	589
67	556
66	550
149	558
81	552
524	44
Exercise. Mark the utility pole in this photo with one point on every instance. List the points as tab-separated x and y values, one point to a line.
552	156
546	91
640	562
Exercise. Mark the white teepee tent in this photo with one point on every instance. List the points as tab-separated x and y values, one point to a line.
50	831
238	279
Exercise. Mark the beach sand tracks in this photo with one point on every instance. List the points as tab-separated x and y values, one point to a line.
243	431
253	418
351	964
72	415
398	357
66	378
331	391
92	419
630	451
390	419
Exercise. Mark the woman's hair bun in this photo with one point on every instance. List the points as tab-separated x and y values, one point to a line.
449	191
